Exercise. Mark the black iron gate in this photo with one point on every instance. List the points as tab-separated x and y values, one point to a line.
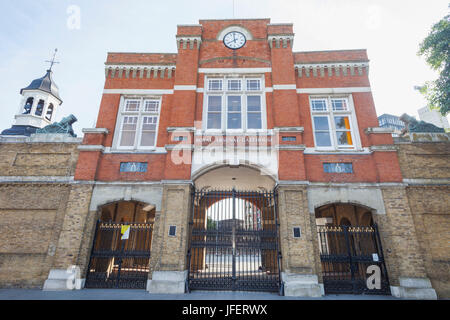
117	263
352	260
234	241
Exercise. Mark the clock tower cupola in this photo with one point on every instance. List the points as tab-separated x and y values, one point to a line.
40	101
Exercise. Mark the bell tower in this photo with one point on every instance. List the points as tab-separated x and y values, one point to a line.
38	106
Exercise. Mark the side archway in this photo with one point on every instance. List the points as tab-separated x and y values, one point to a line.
120	254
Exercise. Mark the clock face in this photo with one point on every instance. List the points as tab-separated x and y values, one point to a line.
234	40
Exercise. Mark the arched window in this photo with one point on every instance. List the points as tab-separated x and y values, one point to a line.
28	106
40	108
49	114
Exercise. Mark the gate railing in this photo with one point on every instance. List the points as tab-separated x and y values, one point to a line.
233	241
117	263
346	253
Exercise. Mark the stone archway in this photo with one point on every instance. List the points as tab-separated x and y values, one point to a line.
120	255
349	243
234	236
344	214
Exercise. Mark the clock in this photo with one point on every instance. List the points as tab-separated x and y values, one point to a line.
234	40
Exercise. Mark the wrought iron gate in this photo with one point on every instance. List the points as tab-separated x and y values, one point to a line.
346	254
117	263
234	241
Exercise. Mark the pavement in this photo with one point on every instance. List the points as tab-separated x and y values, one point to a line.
122	294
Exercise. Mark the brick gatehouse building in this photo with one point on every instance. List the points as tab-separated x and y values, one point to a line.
233	164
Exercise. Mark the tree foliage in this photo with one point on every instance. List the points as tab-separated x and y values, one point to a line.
436	50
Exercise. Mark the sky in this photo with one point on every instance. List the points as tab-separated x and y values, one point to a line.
84	31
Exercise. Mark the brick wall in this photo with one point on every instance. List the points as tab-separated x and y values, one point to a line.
426	166
33	211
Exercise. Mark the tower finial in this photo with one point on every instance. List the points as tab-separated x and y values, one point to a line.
53	61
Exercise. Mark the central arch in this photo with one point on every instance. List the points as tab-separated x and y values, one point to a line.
233	234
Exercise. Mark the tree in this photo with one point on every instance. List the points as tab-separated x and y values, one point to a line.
436	49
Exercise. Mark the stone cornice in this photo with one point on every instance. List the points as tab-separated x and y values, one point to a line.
42	138
281	39
95	130
237	57
180	146
435	181
338	67
291	147
91	148
182	41
289	129
384	147
36	179
180	129
375	130
145	70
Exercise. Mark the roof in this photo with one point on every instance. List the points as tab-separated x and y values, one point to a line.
45	84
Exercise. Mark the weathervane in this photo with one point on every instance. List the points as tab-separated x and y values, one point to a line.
52	62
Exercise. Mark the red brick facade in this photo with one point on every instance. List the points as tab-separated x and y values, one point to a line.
290	79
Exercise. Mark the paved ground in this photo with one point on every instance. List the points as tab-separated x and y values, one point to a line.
103	294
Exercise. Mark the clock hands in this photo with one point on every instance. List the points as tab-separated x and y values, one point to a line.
234	40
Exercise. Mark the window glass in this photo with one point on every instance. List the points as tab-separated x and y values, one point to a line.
215	84
129	126
343	132
132	105
214	112
319	105
253	84
322	132
323	139
234	85
254	112
151	106
234	112
149	125
339	104
321	123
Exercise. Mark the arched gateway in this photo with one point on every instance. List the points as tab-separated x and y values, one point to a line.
234	231
350	250
121	250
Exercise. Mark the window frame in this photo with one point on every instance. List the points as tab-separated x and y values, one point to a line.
140	114
243	93
331	114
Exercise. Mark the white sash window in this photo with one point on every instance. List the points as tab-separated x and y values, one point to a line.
234	104
138	118
334	123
